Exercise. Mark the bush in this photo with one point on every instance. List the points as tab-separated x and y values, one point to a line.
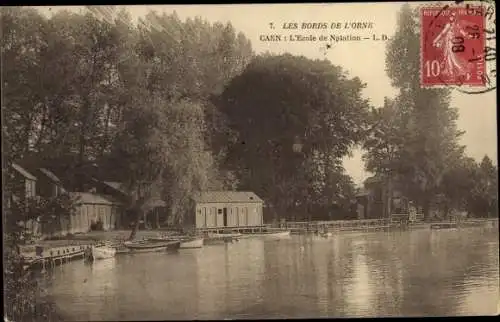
22	294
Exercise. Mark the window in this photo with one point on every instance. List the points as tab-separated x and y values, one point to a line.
205	216
219	211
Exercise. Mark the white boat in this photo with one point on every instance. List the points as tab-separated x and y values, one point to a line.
196	242
103	252
276	235
326	234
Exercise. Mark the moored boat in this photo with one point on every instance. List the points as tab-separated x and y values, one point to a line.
444	226
273	234
193	242
151	246
103	252
216	238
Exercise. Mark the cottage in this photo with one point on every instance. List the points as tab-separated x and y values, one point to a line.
93	209
158	210
48	184
23	188
24	183
224	209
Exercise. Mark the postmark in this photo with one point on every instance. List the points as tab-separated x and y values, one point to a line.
453	42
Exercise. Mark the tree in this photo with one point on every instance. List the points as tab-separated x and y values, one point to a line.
483	198
430	141
277	101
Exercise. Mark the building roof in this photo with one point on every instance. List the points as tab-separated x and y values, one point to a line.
362	192
226	196
50	175
118	186
93	198
23	171
157	203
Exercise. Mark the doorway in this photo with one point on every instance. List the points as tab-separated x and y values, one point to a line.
224	216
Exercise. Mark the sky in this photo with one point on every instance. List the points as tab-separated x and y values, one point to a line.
365	58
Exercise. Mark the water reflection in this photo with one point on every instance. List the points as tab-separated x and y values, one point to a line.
409	273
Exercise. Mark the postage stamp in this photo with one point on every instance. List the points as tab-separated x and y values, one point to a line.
452	46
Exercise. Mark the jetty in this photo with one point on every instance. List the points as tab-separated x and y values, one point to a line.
46	256
337	225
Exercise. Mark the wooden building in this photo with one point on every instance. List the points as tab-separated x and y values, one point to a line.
91	209
23	187
153	218
227	209
23	183
48	184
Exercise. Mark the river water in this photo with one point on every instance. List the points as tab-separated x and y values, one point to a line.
377	274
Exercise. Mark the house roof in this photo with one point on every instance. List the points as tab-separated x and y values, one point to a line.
157	203
50	175
226	196
362	192
23	171
93	198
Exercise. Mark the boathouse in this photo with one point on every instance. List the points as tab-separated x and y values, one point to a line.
94	210
23	188
23	183
227	209
48	184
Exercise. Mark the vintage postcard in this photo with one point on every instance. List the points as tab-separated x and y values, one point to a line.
249	161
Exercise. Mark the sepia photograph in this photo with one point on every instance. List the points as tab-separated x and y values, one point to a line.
249	161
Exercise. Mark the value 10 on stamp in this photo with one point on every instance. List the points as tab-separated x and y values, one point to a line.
452	46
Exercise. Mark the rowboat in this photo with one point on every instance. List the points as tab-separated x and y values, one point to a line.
216	238
273	234
103	252
193	242
444	225
185	241
149	246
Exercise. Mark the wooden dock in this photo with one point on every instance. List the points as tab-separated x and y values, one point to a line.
36	256
337	225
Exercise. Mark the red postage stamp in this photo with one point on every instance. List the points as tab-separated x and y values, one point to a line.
452	46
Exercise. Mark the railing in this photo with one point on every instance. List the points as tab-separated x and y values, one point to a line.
337	224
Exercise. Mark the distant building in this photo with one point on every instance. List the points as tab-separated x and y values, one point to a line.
153	218
48	184
93	209
363	204
23	183
224	209
23	188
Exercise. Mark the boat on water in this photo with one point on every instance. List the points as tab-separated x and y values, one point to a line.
217	238
326	234
193	242
444	226
102	252
185	241
152	246
273	234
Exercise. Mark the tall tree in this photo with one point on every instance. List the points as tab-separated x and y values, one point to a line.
279	101
431	139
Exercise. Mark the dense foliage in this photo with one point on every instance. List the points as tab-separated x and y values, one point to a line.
415	140
279	101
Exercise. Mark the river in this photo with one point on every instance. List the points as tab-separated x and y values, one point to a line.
377	274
